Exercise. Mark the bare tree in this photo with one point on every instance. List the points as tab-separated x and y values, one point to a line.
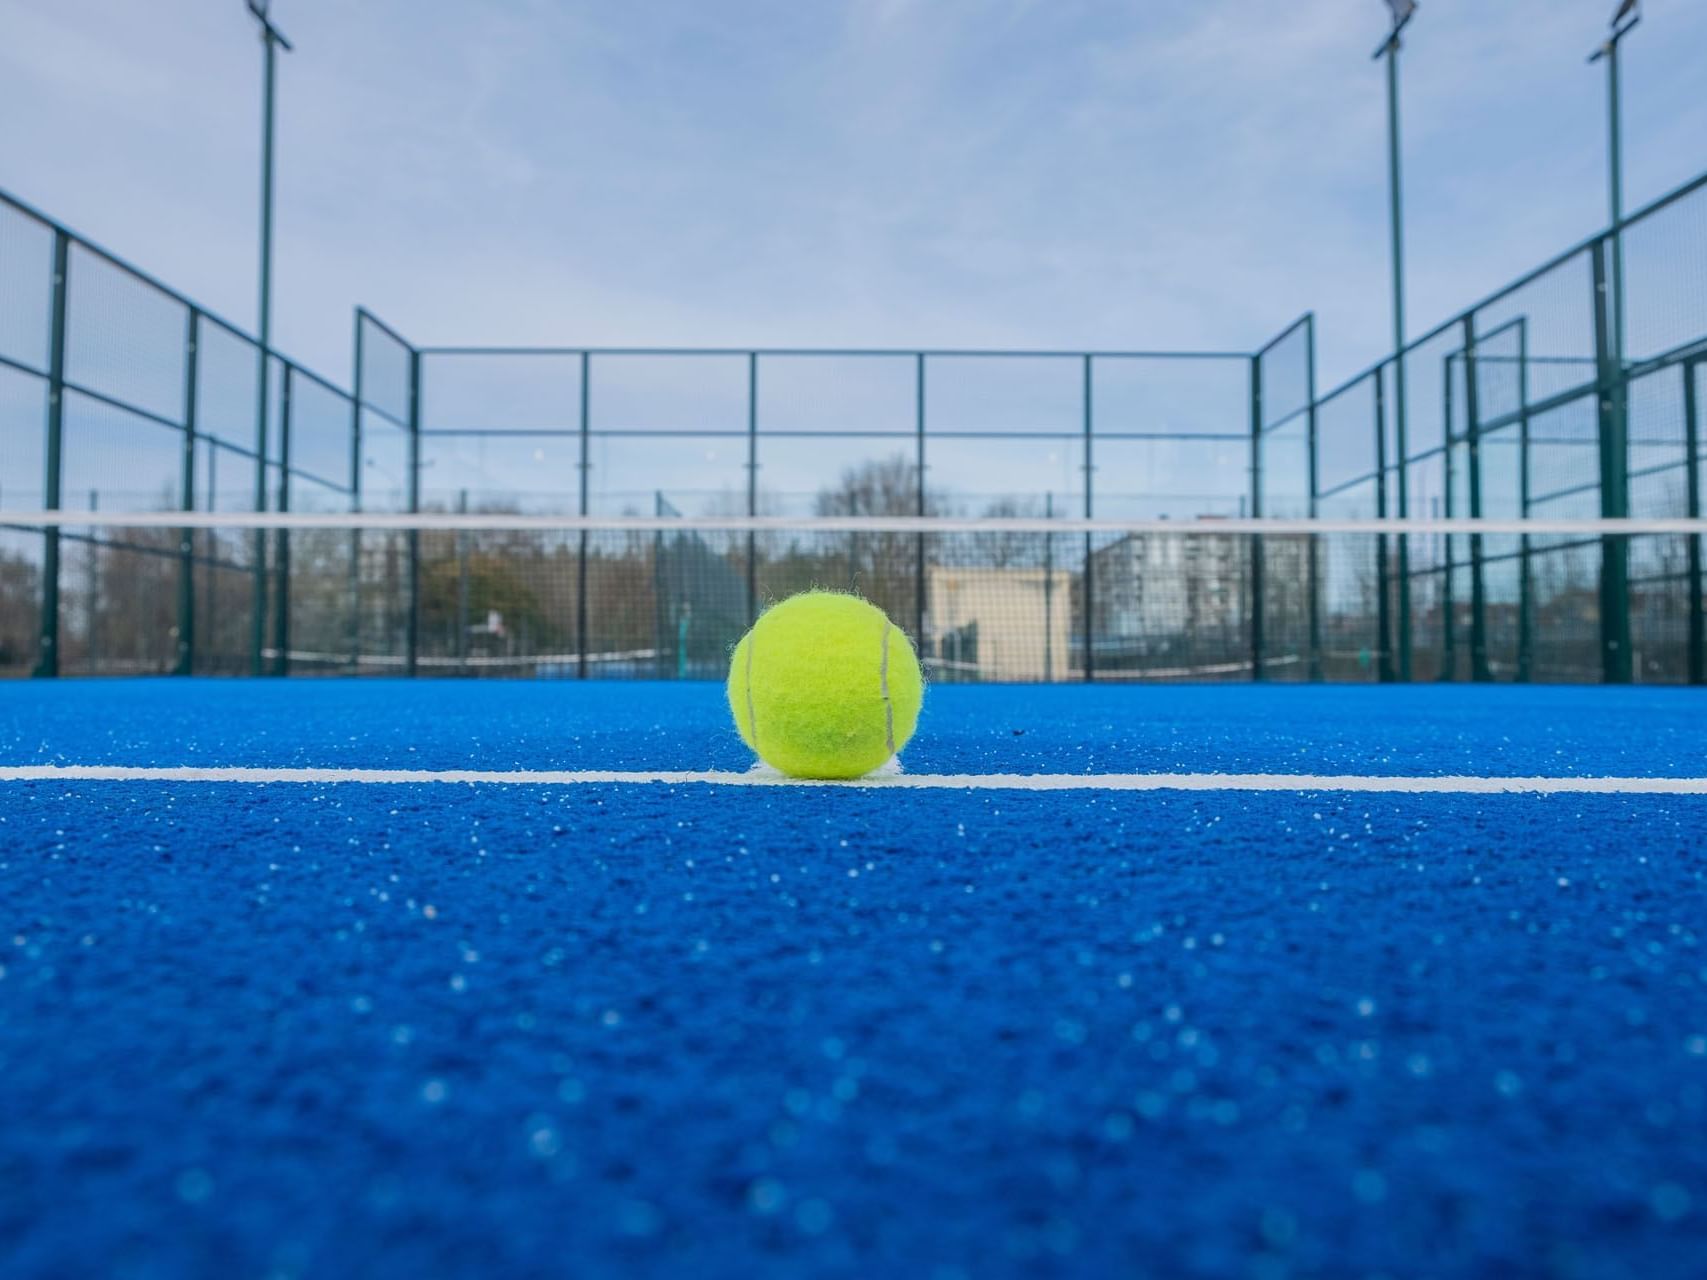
881	487
1007	549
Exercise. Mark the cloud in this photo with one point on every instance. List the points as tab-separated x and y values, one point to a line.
952	173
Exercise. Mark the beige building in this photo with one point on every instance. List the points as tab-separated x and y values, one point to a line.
998	624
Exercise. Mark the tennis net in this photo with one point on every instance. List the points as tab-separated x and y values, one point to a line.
984	599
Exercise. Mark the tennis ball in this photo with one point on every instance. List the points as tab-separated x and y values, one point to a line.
825	686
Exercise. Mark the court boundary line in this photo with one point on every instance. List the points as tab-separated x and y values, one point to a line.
1418	784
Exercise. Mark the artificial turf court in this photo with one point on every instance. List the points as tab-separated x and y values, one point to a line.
342	1026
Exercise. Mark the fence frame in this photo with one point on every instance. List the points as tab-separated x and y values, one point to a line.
1389	424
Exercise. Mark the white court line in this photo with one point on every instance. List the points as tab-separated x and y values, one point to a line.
1417	784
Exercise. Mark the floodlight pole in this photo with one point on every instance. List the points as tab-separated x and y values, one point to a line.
271	40
1389	49
1616	656
1608	52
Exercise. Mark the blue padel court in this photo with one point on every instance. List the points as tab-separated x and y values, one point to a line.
359	979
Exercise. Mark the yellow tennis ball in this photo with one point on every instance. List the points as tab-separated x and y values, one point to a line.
825	686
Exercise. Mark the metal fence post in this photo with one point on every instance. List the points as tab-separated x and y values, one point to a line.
281	570
1089	591
1525	580
1383	596
258	622
661	646
412	632
187	501
460	640
1401	446
919	467
1448	459
752	484
1256	574
47	660
1692	442
1313	547
1479	669
356	498
1615	653
581	628
1049	593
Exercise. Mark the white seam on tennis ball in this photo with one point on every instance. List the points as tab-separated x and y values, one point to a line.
883	685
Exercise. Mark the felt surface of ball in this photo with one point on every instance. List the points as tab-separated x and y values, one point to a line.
825	686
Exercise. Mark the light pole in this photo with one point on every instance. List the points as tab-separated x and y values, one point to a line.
1616	656
271	41
1403	11
1624	20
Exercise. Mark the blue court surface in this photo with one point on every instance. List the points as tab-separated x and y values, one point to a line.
331	1025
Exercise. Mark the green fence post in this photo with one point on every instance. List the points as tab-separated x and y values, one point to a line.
459	641
1692	439
1049	593
187	501
356	498
412	625
281	568
47	660
1383	598
660	591
1614	490
92	593
258	622
1401	446
1479	669
1525	580
919	467
1314	546
1089	591
581	627
1448	602
752	485
1256	513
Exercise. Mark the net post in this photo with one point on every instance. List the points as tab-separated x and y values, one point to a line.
1089	591
47	659
1383	599
281	591
1256	571
412	624
1614	490
1313	547
1692	442
581	628
185	663
1525	580
919	468
1479	669
752	485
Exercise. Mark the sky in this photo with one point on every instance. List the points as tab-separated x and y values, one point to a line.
897	173
1052	173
